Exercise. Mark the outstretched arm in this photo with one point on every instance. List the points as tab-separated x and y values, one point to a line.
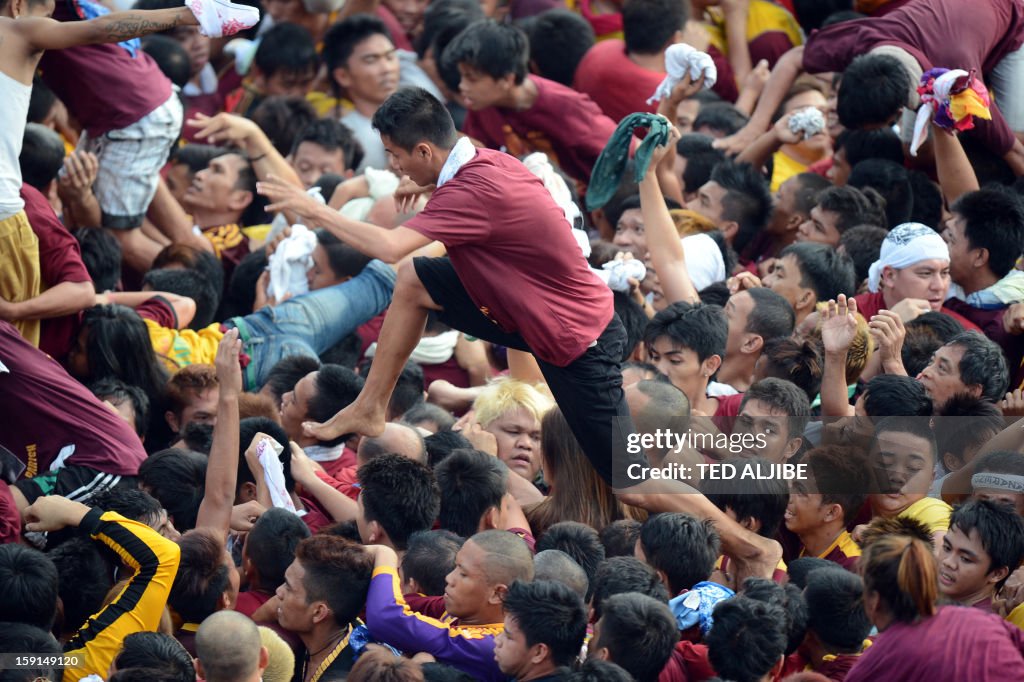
838	329
956	175
663	241
43	33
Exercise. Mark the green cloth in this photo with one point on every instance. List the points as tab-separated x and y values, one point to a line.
607	174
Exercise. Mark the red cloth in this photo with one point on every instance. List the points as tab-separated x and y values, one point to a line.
689	663
957	643
505	234
868	305
345	481
729	406
924	29
315	517
104	86
10	517
60	260
563	123
432	607
45	410
616	84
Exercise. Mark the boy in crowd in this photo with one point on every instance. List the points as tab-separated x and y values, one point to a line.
755	316
747	641
324	146
984	545
686	342
808	274
737	200
545	624
666	537
837	210
635	632
398	498
837	623
779	411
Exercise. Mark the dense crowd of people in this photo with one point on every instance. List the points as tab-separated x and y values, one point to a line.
413	340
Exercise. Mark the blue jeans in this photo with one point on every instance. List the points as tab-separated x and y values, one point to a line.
311	323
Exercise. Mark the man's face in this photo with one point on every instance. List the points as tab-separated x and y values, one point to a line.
1015	500
964	567
320	275
805	511
408	12
785	278
517	433
681	365
467	589
514	656
840	171
214	187
295	405
784	208
686	114
737	313
927	279
941	378
820	227
479	90
162	524
201	408
179	179
759	418
371	73
294	613
414	163
904	464
311	161
709	202
629	232
961	255
196	44
286	83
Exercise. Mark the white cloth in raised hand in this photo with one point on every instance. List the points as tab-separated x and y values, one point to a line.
809	121
290	261
617	273
905	245
539	164
269	454
681	59
941	87
218	18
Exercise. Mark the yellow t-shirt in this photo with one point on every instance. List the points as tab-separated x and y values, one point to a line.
783	168
931	512
177	348
762	17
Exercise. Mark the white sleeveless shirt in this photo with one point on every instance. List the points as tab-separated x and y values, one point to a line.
13	115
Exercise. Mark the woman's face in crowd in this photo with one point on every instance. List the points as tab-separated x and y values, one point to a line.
964	567
517	433
904	464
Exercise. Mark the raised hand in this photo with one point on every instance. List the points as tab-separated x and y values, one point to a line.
285	196
838	324
228	369
887	330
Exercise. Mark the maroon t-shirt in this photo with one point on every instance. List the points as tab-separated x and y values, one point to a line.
616	84
868	305
957	643
990	321
515	254
562	123
60	260
953	34
104	86
45	410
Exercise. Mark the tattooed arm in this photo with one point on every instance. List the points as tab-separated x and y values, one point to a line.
42	33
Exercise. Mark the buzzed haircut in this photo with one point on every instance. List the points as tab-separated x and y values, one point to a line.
625	574
666	537
694	326
429	558
554	564
548	613
640	634
506	557
559	38
471	483
337	572
413	115
790	599
400	494
228	646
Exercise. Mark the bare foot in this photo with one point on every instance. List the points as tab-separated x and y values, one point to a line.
352	419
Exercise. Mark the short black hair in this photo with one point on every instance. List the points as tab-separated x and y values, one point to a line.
342	38
204	262
666	537
202	577
42	100
633	318
408	390
877	143
247	430
116	391
771	316
696	326
600	670
344	260
721	117
286	47
338	572
823	269
331	135
189	283
18	637
132	503
287	372
851	206
271	545
558	40
928	202
198	437
863	244
784	396
471	483
891	181
429	558
695	143
400	494
747	639
443	443
580	542
177	478
413	115
101	255
196	156
699	167
800	569
841	476
809	186
788	598
812	13
42	155
945	327
835	609
649	25
442	21
962	438
920	428
1000	529
797	360
281	118
156	652
336	387
887	81
640	634
983	364
747	199
619	537
762	500
28	586
170	56
548	613
493	49
994	221
893	394
621	574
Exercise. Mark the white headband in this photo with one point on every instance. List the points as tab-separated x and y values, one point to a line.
1008	482
905	245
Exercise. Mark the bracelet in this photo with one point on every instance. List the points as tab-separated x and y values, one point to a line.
257	158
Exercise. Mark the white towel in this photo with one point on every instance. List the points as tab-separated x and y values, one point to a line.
681	59
269	453
290	261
